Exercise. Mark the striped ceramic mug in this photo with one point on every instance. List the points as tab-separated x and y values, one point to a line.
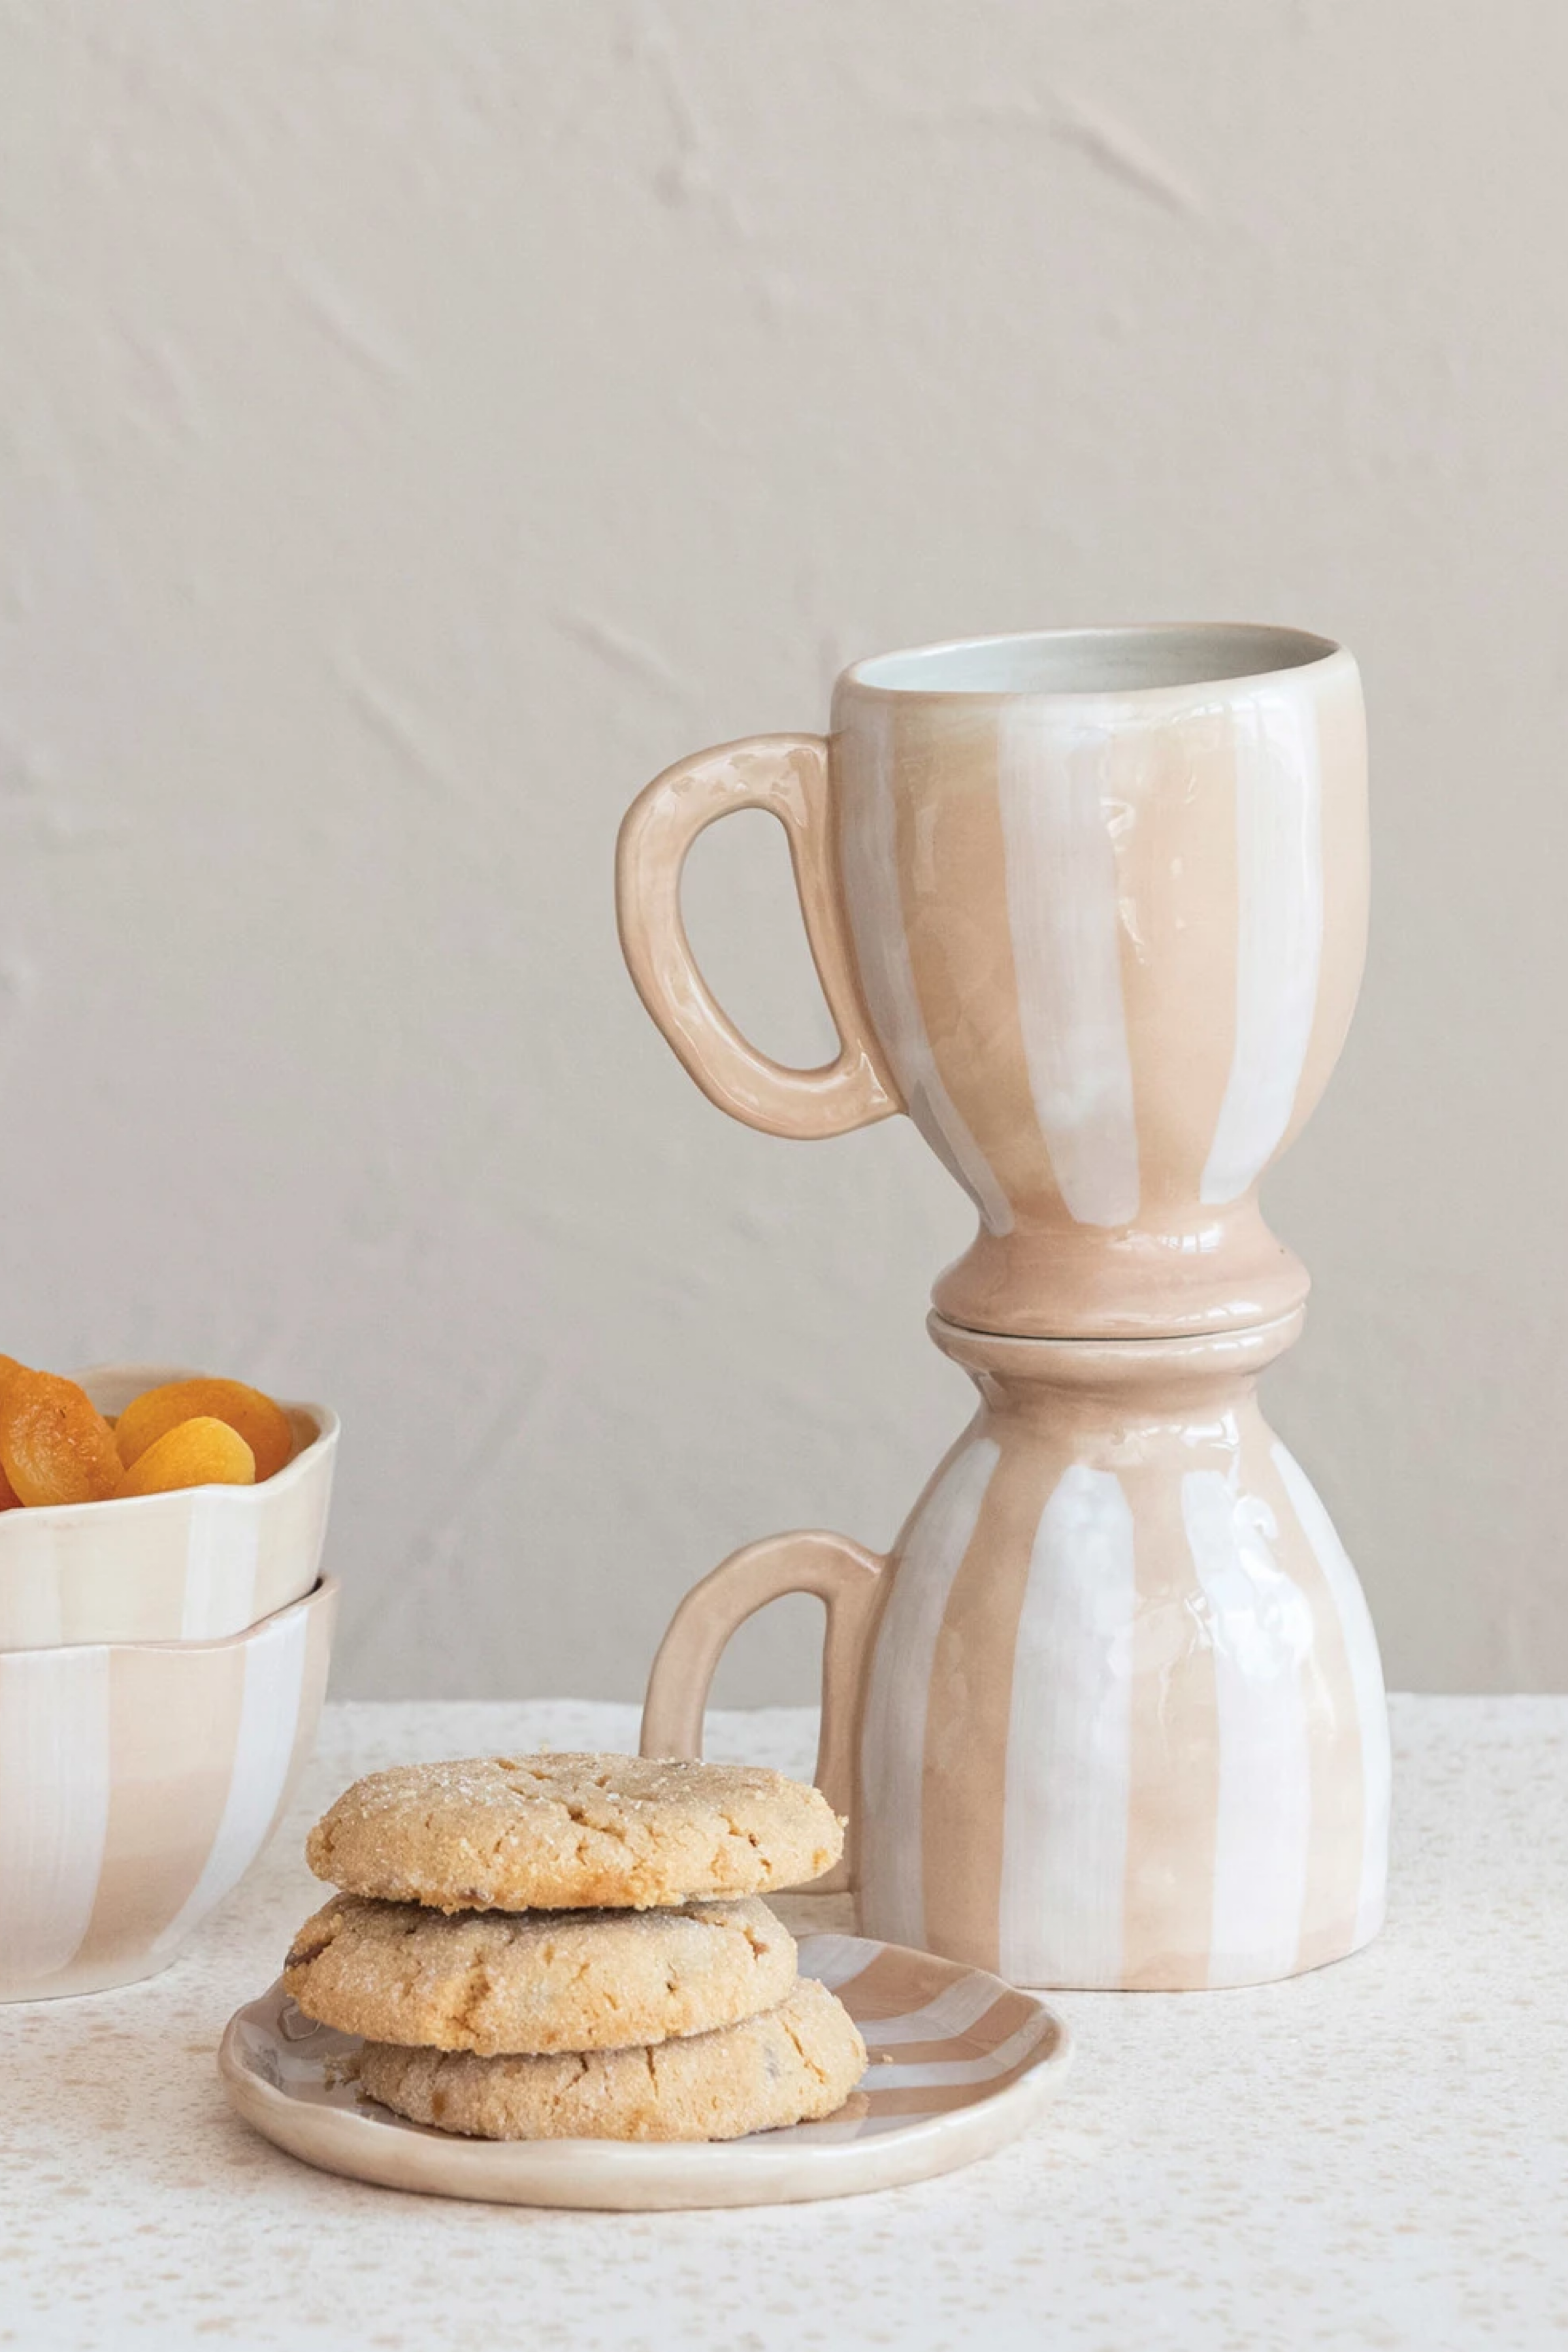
1110	1712
1090	905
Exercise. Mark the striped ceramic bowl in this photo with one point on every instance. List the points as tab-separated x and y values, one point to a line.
138	1783
187	1566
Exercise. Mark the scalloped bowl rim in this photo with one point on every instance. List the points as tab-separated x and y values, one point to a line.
307	1458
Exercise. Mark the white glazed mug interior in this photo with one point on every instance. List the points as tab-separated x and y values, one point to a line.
1153	659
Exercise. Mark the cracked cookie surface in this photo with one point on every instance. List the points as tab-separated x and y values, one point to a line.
795	2063
537	1982
571	1832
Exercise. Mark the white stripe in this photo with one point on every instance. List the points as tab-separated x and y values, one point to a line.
1279	932
54	1807
819	2134
1367	1685
953	2011
869	857
222	1546
836	2129
1261	1630
898	1697
1064	1832
1062	907
264	1747
834	1960
940	2073
35	1581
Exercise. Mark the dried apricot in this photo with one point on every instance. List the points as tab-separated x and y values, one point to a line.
9	1498
203	1452
55	1444
264	1425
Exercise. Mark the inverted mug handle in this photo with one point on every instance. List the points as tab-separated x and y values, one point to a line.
842	1575
787	776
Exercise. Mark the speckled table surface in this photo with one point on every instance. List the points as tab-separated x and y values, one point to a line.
1373	2156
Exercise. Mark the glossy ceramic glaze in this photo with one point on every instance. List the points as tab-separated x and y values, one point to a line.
960	2065
138	1783
190	1566
1111	1713
1092	906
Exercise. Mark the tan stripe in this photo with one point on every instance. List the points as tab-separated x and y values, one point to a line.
174	1723
1173	1783
965	1780
1338	1819
977	2040
892	1985
954	884
1177	885
940	2099
1341	738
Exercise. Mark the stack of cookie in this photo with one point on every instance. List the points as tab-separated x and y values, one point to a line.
574	1947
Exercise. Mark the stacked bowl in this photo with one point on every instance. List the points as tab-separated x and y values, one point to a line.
163	1661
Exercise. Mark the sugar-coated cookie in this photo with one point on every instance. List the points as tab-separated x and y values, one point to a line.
570	1832
795	2063
537	1982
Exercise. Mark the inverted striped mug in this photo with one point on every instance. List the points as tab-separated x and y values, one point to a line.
1110	1712
1090	905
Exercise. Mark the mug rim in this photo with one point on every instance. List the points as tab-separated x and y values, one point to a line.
1243	654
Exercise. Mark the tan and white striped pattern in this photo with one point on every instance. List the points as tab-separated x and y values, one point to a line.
1110	942
138	1783
192	1565
1104	895
1124	1722
960	2065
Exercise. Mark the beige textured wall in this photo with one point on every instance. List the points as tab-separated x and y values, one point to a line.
420	423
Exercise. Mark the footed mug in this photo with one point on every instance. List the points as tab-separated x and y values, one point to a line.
1110	1713
1090	907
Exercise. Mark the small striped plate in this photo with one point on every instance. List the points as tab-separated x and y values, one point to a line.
960	2063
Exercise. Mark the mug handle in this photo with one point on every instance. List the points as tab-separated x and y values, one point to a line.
840	1573
787	776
